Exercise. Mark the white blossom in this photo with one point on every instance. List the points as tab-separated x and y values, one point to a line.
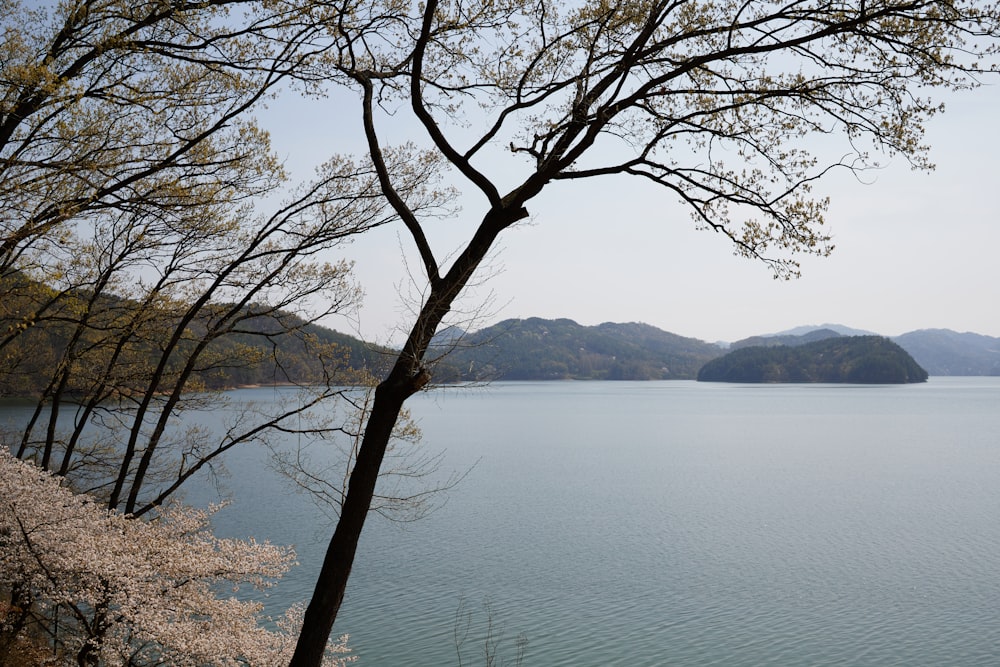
101	588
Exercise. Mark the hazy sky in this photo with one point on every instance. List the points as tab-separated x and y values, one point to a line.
913	250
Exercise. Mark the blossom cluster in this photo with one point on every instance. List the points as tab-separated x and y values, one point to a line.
102	588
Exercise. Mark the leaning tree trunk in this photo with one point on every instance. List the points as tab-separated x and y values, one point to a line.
407	377
332	582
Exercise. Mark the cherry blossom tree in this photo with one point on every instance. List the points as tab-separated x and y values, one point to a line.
96	587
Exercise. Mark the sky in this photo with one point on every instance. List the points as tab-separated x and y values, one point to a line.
914	250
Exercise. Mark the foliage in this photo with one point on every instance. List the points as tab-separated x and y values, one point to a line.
101	588
274	347
853	359
137	269
118	113
126	161
149	246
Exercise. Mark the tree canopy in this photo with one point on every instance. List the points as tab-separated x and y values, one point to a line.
709	100
129	165
853	359
148	231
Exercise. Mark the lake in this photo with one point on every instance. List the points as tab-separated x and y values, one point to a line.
675	523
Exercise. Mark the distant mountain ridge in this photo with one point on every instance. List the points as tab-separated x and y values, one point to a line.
838	328
514	349
947	352
792	340
561	349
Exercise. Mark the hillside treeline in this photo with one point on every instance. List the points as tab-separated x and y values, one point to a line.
848	359
77	342
541	349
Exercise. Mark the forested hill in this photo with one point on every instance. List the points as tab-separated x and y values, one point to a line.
540	349
280	347
232	361
95	344
938	351
840	359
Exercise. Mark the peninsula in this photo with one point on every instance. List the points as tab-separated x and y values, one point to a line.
842	359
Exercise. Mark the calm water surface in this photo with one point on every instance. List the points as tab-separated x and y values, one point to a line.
677	523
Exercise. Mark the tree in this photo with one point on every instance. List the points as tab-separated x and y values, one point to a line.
132	251
104	589
708	100
135	262
134	348
116	108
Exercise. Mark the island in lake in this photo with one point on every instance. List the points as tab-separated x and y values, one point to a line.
843	359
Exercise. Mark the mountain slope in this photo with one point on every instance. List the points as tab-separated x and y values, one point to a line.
539	349
786	339
946	352
106	344
938	351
